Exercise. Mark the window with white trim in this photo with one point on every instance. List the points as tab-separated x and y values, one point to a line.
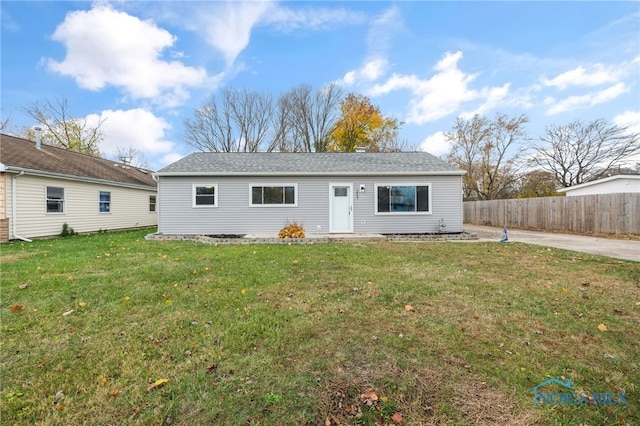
152	203
274	195
205	195
391	199
105	202
55	199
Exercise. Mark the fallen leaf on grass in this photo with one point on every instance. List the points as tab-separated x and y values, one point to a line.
156	384
64	314
397	419
351	409
212	368
73	329
602	327
135	412
16	308
114	393
23	286
409	308
60	407
103	379
370	397
82	304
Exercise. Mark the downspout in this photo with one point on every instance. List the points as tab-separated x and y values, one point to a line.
14	207
155	178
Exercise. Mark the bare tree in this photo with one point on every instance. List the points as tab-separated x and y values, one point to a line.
231	121
132	156
581	152
64	130
305	118
488	151
4	123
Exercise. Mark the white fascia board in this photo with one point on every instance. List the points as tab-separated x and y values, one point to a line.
41	173
596	182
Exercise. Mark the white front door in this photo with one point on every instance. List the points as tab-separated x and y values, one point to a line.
340	207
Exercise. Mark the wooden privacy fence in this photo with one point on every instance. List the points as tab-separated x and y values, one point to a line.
600	214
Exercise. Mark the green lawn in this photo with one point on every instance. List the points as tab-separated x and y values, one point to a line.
112	329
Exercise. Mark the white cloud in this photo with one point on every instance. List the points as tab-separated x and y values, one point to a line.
169	158
134	128
440	95
493	96
107	47
349	78
630	119
436	144
287	19
227	25
382	31
369	72
584	101
379	38
580	76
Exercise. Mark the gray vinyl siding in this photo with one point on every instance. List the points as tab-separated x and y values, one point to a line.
234	215
129	207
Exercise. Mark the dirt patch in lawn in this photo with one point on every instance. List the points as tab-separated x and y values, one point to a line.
359	395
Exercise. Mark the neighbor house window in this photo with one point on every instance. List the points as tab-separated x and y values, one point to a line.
273	195
403	199
105	202
205	195
152	203
55	199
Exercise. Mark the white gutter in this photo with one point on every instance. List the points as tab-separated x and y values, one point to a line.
14	207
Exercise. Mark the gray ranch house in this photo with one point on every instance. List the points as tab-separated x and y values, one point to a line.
209	193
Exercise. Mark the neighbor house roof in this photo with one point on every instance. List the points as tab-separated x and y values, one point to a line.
21	155
309	163
600	181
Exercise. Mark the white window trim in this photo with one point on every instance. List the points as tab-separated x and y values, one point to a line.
263	184
155	204
100	202
375	207
64	199
216	195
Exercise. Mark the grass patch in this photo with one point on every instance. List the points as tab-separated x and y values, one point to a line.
441	333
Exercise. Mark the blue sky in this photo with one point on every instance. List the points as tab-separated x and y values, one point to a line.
145	66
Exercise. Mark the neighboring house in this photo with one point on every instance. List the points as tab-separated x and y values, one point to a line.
253	193
608	185
42	187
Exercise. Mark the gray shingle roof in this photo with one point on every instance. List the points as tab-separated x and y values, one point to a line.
309	163
17	154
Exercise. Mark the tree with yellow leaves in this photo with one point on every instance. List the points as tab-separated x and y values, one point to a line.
361	124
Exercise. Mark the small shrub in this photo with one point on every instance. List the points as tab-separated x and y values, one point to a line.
67	231
292	230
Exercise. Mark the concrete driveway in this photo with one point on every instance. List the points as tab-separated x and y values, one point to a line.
619	249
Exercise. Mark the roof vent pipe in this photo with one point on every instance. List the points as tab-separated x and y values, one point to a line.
38	140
